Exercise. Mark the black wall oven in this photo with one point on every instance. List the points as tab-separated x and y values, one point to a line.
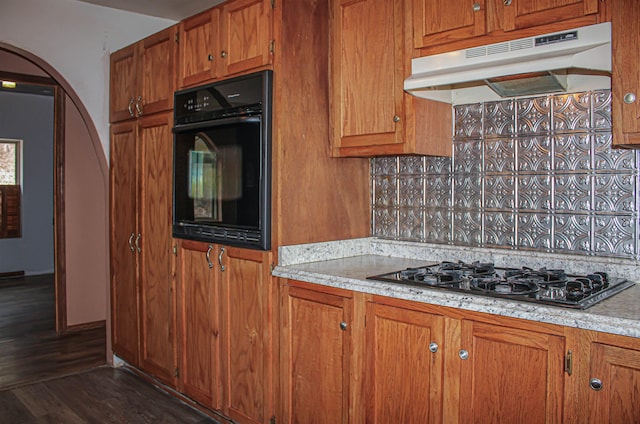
222	162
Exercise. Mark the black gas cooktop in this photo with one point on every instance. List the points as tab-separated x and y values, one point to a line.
544	286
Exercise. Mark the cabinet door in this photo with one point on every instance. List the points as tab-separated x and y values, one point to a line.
157	301
404	376
625	78
199	308
247	359
246	35
443	21
618	370
510	375
519	14
367	74
123	233
199	50
157	76
122	88
315	356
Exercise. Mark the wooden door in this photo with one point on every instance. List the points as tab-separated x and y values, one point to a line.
404	377
247	359
199	49
510	375
367	74
199	309
157	73
443	21
519	14
157	301
122	84
618	372
315	366
625	77
246	35
123	233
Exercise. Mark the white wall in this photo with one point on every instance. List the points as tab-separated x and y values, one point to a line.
76	39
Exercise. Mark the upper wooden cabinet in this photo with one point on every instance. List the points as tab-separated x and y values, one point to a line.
443	25
143	77
625	78
226	40
370	112
199	38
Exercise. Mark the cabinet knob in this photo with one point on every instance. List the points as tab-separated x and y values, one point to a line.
396	118
476	7
507	2
433	347
595	384
463	354
223	54
210	57
629	98
343	326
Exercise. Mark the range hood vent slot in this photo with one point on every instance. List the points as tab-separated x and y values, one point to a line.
567	61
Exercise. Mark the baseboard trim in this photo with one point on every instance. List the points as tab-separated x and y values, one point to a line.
14	274
86	326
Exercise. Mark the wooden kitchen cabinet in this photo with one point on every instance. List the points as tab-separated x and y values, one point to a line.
440	26
143	305
247	308
319	347
142	77
199	322
614	380
404	365
123	197
625	77
509	374
370	112
232	38
199	38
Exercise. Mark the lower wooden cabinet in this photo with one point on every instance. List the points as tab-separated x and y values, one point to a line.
614	380
225	310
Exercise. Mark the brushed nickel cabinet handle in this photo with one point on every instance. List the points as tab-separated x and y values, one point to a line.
130	108
209	249
223	54
210	57
343	326
139	105
131	242
433	347
507	2
595	384
463	354
222	268
476	7
629	98
396	118
137	243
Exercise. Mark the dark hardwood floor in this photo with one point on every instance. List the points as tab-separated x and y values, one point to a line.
46	378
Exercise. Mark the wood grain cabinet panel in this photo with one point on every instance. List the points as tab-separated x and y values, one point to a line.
315	352
614	382
157	291
199	322
199	48
510	375
404	365
142	78
520	14
247	352
444	21
625	78
123	198
370	112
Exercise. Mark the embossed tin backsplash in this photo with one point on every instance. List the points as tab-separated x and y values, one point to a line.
536	174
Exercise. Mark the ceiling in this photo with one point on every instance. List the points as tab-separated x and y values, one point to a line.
169	9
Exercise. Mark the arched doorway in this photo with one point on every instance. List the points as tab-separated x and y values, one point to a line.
81	200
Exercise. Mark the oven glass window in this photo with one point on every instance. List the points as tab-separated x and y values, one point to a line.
217	175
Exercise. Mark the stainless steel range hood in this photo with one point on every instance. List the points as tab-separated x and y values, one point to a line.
567	61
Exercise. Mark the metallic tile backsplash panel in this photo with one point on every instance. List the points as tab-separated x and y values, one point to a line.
528	174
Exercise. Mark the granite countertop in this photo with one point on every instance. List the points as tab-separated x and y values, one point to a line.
347	266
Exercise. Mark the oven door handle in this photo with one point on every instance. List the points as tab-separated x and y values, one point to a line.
216	123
